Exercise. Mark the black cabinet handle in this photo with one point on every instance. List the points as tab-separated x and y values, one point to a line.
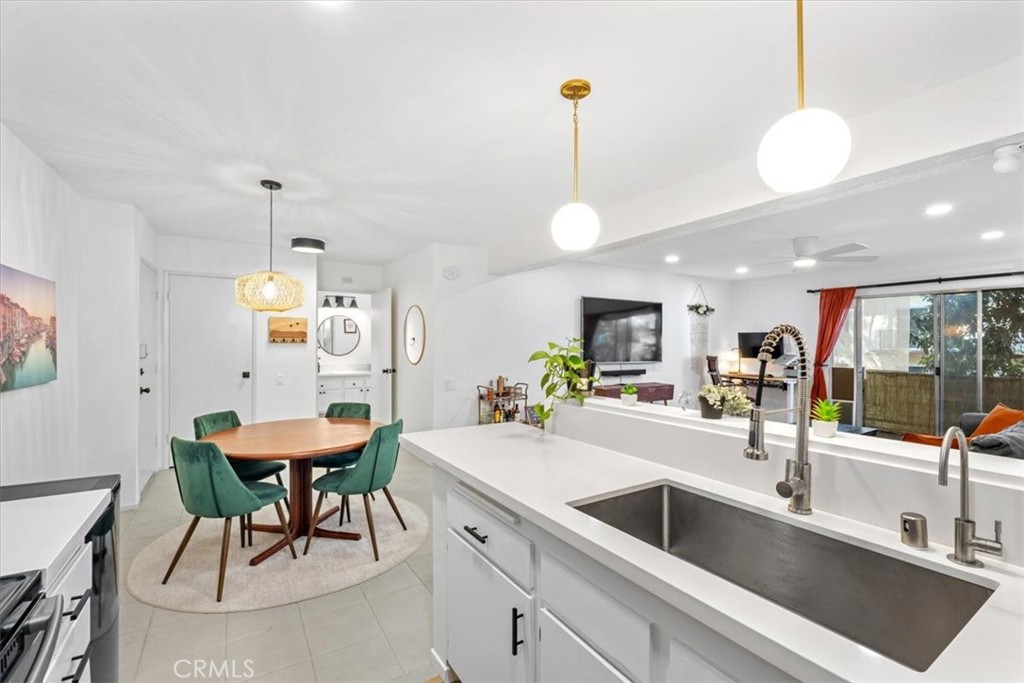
83	661
471	530
516	640
144	390
83	600
245	374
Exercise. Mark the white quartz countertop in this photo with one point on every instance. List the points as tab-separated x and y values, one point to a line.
535	474
344	373
40	533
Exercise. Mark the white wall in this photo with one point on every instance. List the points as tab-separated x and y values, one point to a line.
296	362
85	423
493	328
335	276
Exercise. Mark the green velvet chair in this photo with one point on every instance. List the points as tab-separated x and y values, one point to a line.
247	470
209	488
337	461
372	472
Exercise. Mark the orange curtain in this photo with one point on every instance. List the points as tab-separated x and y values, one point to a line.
833	305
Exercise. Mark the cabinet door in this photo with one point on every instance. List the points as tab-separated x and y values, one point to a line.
686	667
487	613
563	656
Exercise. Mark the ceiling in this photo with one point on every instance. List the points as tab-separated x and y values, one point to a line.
891	221
394	124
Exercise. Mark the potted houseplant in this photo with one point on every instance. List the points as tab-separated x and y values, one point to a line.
825	417
628	395
565	376
717	400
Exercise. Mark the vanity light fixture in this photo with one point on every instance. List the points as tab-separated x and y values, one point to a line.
804	263
938	209
807	148
308	245
671	258
990	235
575	226
742	269
326	303
268	290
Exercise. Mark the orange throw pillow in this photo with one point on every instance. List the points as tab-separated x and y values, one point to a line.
998	419
925	439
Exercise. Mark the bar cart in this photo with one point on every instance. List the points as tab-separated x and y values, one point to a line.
510	404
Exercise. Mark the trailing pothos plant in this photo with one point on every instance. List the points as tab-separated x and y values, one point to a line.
565	375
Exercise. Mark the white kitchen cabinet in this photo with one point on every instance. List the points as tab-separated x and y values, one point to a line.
341	388
563	656
686	667
489	619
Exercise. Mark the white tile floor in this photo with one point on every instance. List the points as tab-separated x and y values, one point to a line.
376	631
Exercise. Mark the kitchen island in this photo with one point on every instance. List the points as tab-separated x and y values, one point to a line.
527	587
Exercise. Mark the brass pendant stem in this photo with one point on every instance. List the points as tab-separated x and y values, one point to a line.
799	54
575	151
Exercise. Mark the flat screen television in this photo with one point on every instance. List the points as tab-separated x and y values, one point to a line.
620	331
750	344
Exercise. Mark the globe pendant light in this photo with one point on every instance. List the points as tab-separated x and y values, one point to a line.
575	226
268	290
807	148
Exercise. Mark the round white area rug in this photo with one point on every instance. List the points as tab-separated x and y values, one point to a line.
330	566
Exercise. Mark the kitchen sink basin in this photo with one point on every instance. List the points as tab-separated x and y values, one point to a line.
901	610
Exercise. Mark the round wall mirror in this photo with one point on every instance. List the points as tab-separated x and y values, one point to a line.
415	334
338	335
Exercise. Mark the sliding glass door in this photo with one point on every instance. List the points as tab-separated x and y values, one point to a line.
960	358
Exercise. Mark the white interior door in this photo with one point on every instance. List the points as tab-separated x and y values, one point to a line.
149	458
209	351
380	362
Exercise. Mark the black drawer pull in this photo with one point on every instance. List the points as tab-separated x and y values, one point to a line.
83	600
516	640
83	661
471	530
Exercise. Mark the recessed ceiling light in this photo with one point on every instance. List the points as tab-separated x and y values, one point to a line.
992	234
1007	158
308	245
742	269
938	209
804	263
671	258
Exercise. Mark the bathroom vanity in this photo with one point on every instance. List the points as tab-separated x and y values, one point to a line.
637	544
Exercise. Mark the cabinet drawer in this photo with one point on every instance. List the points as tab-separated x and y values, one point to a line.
684	665
565	657
615	630
72	645
506	548
355	383
75	584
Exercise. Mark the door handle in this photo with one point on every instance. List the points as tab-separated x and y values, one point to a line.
144	390
246	374
516	640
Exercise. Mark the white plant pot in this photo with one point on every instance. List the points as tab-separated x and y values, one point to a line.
628	399
825	429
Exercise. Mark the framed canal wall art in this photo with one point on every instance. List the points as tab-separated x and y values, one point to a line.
28	329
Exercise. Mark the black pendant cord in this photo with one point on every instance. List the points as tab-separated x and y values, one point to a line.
271	230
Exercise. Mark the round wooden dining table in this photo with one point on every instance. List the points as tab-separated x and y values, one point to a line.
298	442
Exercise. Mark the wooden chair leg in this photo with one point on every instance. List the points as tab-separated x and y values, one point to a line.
248	527
395	508
312	522
348	509
241	529
181	548
224	545
280	482
373	497
369	521
284	527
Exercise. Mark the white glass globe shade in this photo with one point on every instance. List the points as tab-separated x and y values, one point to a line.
575	227
804	150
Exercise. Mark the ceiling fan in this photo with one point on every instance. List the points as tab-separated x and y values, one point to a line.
806	254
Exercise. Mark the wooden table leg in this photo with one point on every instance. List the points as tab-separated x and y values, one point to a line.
301	498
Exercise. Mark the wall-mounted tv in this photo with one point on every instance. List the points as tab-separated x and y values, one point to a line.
750	344
620	331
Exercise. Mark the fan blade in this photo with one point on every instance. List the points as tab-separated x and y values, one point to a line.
841	249
848	259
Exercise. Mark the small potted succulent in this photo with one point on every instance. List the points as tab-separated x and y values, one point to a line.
717	400
628	395
825	417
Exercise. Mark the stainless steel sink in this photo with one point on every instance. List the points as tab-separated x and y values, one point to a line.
903	611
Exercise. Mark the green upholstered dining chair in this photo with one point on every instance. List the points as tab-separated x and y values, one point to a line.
247	470
337	461
210	488
372	472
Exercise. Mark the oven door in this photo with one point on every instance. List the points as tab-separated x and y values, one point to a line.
39	632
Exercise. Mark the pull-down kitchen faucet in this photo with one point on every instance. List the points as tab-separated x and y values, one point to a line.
797	482
965	543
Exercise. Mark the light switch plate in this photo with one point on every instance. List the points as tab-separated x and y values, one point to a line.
449	384
279	379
